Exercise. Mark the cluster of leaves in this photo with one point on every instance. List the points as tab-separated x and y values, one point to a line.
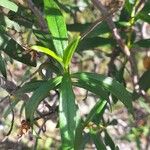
60	50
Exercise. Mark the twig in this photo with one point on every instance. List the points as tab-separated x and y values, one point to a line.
96	23
37	13
9	86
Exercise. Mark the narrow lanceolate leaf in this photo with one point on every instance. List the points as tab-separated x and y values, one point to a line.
68	116
109	84
144	83
109	141
142	43
98	141
38	95
69	51
30	86
17	52
2	67
48	52
56	25
97	109
8	4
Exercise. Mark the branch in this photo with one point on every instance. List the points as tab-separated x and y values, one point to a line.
122	45
11	88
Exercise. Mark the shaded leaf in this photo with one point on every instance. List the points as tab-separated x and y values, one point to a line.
144	83
90	43
2	67
44	39
3	38
102	28
109	141
30	86
142	43
17	52
98	141
38	95
56	25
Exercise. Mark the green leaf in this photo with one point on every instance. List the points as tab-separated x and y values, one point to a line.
97	109
128	6
109	84
92	86
109	141
144	83
2	67
98	141
44	39
30	86
48	52
17	52
90	43
142	43
3	37
68	116
69	51
56	25
38	95
8	4
102	28
144	14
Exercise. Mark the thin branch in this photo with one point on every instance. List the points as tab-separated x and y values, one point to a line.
12	122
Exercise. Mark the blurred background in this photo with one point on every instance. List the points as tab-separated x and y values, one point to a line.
98	52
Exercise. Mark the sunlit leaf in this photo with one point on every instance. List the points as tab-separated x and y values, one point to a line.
109	84
69	51
68	116
8	4
48	52
56	25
